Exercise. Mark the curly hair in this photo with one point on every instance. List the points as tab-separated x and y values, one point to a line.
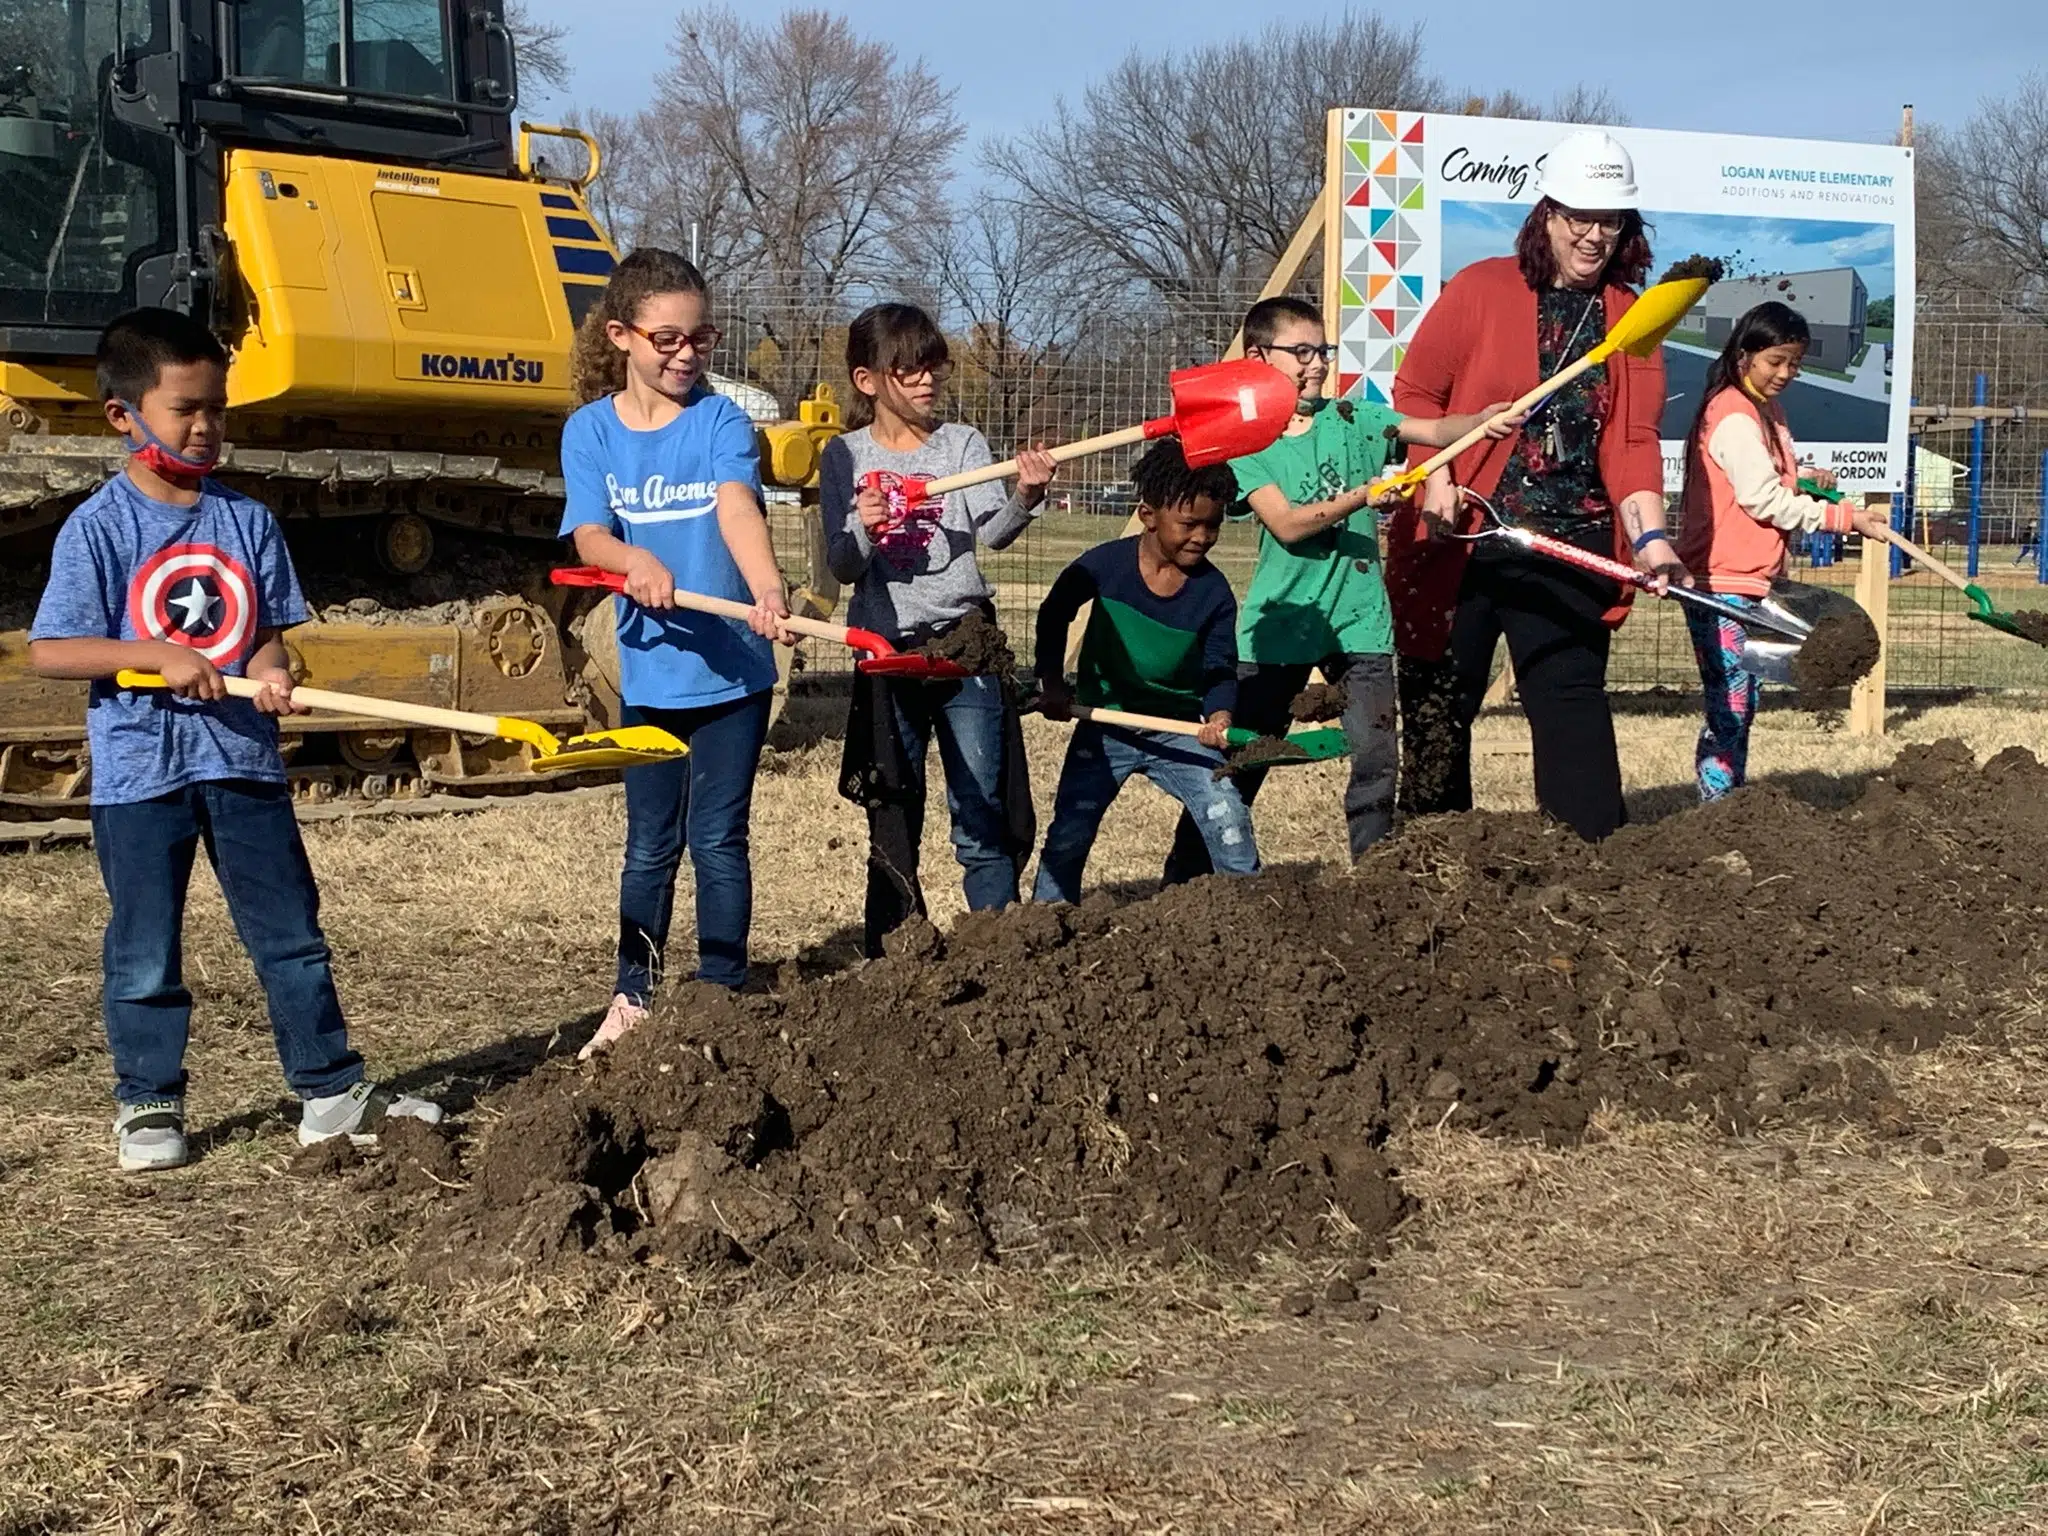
596	367
1162	478
1628	266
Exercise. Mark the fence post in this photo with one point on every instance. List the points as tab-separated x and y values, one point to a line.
1976	478
1903	507
2041	527
1873	592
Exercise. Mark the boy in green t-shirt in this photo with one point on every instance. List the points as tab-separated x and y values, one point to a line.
1317	596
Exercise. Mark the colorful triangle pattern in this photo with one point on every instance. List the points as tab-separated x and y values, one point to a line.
1384	276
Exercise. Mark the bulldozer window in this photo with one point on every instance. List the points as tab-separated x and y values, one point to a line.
393	47
85	196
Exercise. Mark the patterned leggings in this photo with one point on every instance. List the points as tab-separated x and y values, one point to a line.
1722	757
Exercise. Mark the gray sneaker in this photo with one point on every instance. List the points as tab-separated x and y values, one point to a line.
358	1113
150	1135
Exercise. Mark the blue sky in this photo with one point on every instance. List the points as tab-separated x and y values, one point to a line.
1474	231
1843	70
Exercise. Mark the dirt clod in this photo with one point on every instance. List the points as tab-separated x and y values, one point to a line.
1340	1293
325	1159
414	1158
2032	624
1297	1304
976	643
1262	752
1318	702
1996	1159
1841	649
1931	1146
1712	268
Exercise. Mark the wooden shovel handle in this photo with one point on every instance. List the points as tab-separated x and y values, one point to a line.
1136	722
1065	451
429	715
1946	572
817	629
1528	402
728	608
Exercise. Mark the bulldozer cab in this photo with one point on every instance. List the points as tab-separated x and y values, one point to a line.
103	213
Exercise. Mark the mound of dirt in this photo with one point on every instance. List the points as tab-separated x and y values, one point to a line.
977	643
1219	1067
1318	702
1843	646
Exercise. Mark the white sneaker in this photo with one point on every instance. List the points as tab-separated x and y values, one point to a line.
151	1135
623	1015
357	1113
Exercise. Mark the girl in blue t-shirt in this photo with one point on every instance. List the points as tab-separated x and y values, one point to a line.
664	489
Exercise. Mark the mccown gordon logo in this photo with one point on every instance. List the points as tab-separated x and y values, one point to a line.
198	596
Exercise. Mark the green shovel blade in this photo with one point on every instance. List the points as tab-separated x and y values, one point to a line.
1314	746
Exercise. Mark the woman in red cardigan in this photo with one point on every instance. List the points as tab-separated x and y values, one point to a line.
1585	467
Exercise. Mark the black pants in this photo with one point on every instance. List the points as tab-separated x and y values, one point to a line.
1550	613
1264	693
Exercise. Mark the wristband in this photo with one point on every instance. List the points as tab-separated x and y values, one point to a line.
1650	536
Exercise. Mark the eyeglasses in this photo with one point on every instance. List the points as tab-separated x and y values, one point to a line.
668	343
938	373
1305	352
1583	224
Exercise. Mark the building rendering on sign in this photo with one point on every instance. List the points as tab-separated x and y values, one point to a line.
1833	301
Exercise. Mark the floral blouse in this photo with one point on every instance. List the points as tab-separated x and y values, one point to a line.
1552	483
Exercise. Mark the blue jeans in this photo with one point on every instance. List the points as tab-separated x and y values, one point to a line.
1721	759
1265	692
1099	759
967	718
701	802
146	850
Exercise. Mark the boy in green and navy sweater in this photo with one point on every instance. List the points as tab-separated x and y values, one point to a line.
1162	640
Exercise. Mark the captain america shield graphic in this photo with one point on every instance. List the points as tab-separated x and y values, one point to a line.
195	595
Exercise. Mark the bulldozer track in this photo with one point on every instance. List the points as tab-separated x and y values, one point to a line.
42	477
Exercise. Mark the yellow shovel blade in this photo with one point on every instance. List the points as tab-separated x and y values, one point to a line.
628	747
1654	315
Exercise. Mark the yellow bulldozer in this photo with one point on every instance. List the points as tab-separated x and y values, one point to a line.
340	188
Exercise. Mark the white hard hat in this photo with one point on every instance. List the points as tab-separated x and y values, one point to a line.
1589	169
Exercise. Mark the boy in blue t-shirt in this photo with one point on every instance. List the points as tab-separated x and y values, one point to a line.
1162	641
163	570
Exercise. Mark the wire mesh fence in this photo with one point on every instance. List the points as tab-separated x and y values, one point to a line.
1976	497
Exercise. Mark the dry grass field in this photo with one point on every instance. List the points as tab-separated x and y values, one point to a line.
1816	1330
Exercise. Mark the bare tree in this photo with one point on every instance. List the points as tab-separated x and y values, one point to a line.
810	160
1187	173
1984	200
1581	103
1026	314
543	46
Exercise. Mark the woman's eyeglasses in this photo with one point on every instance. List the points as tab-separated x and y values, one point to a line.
1305	352
938	372
669	342
1583	224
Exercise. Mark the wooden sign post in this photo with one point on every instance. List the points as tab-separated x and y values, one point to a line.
1873	593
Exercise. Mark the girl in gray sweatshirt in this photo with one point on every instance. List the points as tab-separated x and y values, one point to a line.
914	576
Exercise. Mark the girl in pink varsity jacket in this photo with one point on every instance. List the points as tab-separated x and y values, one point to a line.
1741	503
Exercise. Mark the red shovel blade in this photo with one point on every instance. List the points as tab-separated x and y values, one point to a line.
1226	410
587	576
911	664
884	660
